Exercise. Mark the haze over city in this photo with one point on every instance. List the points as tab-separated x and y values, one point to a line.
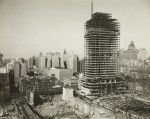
28	27
74	59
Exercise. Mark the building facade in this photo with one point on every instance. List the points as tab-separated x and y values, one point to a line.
129	59
56	60
131	53
23	69
1	59
82	66
17	72
142	54
60	73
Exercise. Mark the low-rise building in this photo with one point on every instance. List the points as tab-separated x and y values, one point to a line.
73	82
67	93
39	84
60	73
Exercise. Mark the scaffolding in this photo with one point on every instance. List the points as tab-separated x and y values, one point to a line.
102	34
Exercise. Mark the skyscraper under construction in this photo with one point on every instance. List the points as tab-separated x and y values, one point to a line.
102	43
101	46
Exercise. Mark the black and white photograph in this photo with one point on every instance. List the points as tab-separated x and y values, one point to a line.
74	59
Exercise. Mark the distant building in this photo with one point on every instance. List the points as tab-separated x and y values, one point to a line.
41	62
82	66
56	60
33	61
127	66
129	59
65	59
23	69
17	69
73	63
60	73
10	66
1	59
20	68
142	54
30	61
131	53
49	59
17	72
40	54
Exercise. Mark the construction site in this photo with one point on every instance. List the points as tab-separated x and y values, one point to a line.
102	43
94	88
127	107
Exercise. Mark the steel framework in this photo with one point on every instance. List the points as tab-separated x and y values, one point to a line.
102	43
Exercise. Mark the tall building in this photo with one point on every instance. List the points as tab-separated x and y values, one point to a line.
142	54
17	69
65	59
70	61
73	63
1	59
102	39
131	53
129	59
101	46
10	66
17	72
82	66
23	69
41	62
32	61
56	60
49	59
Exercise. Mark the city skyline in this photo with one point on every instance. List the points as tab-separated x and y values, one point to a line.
29	27
65	59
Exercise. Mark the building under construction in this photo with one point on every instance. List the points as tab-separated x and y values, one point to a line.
102	43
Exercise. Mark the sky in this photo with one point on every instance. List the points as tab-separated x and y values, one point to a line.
28	27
